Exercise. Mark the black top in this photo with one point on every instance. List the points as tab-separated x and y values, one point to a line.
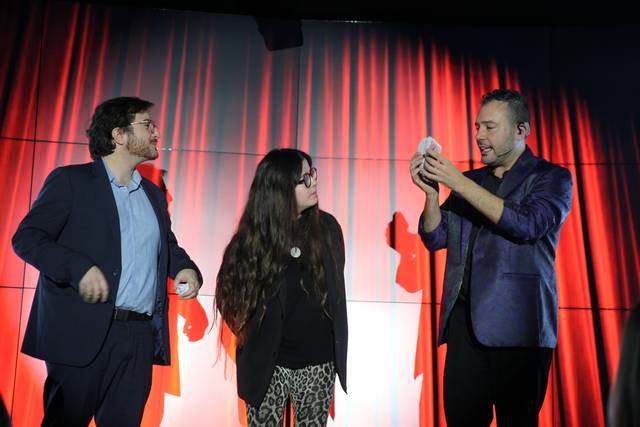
307	333
491	183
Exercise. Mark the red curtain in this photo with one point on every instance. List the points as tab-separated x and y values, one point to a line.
358	97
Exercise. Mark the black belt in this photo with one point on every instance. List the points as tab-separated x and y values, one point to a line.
127	315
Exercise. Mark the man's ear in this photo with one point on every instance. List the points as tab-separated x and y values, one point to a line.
118	135
524	129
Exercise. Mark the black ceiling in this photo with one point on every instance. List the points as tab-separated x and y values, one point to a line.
492	12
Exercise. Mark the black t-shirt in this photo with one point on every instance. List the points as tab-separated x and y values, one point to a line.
307	331
490	183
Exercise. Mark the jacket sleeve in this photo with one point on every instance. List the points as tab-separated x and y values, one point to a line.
436	238
340	257
35	241
542	209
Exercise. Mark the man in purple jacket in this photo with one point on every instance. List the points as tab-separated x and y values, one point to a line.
500	225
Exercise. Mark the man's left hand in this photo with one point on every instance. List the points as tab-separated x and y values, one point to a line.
440	169
190	277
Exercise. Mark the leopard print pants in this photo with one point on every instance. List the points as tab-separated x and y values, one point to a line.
311	390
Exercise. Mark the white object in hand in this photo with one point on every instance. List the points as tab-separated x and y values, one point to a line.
429	143
182	288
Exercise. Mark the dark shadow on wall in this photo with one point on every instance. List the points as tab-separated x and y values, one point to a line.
413	275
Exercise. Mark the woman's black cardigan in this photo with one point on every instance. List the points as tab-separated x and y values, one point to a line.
256	359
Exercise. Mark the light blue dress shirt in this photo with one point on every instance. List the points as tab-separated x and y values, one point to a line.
140	244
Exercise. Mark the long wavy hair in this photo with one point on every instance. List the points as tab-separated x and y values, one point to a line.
259	251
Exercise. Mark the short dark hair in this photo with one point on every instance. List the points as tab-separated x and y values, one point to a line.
111	114
516	102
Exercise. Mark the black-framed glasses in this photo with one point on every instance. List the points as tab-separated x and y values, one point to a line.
309	177
149	124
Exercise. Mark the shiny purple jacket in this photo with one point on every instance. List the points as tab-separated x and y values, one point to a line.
513	295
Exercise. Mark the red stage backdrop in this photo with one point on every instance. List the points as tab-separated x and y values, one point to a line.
358	97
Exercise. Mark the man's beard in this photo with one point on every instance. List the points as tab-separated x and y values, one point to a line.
137	147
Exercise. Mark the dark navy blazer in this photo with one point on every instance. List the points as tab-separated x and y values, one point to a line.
73	225
514	300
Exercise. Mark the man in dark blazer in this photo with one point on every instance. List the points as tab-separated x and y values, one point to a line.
101	237
500	225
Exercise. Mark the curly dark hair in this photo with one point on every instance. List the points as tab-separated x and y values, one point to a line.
259	251
517	104
111	114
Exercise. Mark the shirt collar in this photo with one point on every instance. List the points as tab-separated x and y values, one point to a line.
134	184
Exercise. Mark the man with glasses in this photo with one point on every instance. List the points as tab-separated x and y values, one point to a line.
101	237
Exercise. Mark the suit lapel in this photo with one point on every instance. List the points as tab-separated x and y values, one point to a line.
330	276
157	209
106	201
459	229
520	170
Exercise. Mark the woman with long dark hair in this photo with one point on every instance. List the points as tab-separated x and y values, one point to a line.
280	289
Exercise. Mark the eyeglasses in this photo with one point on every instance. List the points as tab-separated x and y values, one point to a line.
149	124
307	177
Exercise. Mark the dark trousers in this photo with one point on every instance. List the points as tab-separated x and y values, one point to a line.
114	387
477	377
